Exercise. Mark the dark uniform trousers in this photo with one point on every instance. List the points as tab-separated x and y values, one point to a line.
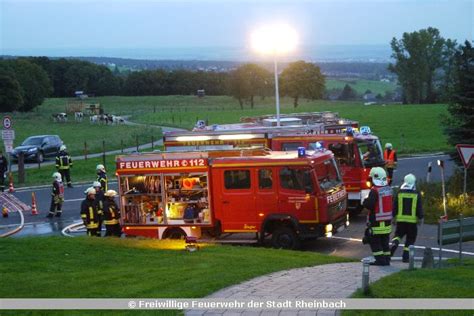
379	244
113	230
66	175
409	230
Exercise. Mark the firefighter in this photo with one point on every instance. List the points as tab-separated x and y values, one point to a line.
57	196
89	214
3	169
390	157
102	177
407	211
99	200
64	164
379	217
111	215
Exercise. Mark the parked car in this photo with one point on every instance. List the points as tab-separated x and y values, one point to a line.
38	147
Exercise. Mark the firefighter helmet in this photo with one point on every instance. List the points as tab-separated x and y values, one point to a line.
100	167
96	184
110	193
90	191
388	146
409	182
57	176
379	176
62	148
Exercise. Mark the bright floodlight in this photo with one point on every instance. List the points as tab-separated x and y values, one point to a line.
275	39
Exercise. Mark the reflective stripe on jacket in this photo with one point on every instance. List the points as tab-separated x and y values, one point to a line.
407	207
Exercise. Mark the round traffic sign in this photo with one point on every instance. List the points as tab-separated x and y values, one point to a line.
7	122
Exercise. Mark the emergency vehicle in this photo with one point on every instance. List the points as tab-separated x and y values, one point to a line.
287	195
356	152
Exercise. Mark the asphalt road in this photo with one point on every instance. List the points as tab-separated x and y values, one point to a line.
341	244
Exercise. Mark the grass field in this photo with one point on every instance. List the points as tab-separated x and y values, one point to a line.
450	282
74	134
361	85
411	128
55	267
82	170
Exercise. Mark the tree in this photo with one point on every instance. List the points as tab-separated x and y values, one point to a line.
348	93
418	55
10	92
302	79
33	80
247	81
459	126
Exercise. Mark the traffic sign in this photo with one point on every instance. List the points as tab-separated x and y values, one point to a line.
8	134
8	146
466	152
7	122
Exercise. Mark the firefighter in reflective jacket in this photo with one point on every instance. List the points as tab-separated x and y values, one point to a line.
99	200
57	196
89	214
390	156
102	177
111	215
64	164
379	218
407	211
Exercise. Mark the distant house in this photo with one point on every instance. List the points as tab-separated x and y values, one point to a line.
369	97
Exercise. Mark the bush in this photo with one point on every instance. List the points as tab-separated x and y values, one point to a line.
456	201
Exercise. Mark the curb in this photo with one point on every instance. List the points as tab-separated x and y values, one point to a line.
43	186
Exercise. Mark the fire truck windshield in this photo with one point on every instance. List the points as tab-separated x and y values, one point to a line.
370	152
328	175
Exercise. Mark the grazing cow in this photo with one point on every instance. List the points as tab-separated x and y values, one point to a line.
94	119
118	119
60	117
78	116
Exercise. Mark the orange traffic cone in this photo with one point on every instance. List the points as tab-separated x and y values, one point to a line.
4	211
11	189
34	211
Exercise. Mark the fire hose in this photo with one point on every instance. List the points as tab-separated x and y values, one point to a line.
16	230
73	228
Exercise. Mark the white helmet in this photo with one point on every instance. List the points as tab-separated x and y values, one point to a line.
57	176
110	193
388	146
62	148
96	184
409	182
200	124
100	167
89	191
379	176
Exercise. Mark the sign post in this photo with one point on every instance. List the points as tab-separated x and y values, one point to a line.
467	153
8	136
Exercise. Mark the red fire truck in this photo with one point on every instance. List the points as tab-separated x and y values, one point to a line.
290	197
355	152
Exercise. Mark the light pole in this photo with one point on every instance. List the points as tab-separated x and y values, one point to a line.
275	40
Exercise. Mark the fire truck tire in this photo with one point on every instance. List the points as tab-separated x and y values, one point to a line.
174	233
285	238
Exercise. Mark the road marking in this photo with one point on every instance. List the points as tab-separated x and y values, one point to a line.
418	247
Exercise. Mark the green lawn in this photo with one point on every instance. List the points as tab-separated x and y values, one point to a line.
450	282
411	128
361	85
55	267
74	134
82	170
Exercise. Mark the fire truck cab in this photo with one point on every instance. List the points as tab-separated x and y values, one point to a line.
277	194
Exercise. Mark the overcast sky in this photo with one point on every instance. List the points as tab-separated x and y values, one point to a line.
35	24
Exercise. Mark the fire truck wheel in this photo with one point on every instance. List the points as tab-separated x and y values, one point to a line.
285	238
174	233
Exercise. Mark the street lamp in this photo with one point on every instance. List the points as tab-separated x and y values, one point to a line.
275	40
